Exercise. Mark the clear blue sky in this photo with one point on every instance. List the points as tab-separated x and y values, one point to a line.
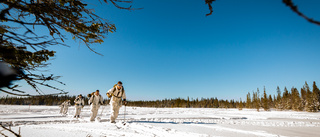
170	49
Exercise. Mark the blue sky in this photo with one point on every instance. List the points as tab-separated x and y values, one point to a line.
170	49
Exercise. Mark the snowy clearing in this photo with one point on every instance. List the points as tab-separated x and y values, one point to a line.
40	121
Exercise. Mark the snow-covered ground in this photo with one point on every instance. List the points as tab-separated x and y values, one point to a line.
44	121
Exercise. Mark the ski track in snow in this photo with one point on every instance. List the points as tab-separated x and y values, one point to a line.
38	121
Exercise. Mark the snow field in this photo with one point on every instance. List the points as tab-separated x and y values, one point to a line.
39	121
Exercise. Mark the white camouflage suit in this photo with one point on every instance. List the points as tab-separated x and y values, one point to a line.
64	107
95	102
61	108
115	102
79	103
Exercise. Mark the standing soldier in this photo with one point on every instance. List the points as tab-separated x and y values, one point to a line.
116	93
95	101
61	107
79	104
66	105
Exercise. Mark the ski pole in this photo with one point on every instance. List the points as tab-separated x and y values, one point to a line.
102	110
124	115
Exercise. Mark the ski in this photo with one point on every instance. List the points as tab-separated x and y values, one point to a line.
98	119
117	126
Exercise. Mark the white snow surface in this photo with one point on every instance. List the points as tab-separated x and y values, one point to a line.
45	121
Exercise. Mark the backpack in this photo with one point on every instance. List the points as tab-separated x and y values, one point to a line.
114	88
89	95
92	94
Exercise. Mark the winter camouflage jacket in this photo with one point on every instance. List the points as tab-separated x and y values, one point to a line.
118	93
79	101
96	100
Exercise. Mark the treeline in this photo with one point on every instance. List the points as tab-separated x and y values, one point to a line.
38	100
304	100
41	100
188	103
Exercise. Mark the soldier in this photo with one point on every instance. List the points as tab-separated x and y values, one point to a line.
65	106
61	107
79	104
116	93
95	101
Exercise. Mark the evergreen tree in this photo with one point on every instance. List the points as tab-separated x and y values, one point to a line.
316	94
216	103
258	98
286	99
303	101
279	104
240	105
313	99
271	102
296	104
310	105
248	103
265	103
227	103
255	99
188	103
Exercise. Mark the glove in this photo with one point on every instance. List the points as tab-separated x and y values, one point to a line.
125	103
109	96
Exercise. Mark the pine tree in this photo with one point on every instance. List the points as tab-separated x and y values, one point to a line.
296	104
313	99
310	104
279	104
226	104
188	103
286	99
240	105
258	98
303	101
216	103
274	101
248	103
255	99
271	102
316	94
265	103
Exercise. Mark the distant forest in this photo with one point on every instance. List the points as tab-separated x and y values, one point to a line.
303	100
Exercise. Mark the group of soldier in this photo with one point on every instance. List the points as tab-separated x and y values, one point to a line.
116	93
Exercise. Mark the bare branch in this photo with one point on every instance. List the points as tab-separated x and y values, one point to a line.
209	2
13	93
294	8
17	135
13	89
